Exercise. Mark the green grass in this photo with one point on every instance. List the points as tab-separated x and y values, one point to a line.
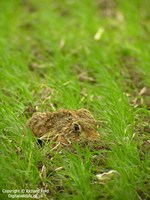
42	45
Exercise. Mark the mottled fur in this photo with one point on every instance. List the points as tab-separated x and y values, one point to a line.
65	126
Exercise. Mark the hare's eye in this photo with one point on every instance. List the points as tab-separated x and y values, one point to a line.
76	127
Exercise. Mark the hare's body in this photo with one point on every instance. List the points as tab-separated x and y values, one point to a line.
64	125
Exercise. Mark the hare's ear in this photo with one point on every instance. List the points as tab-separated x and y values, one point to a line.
59	114
86	116
84	113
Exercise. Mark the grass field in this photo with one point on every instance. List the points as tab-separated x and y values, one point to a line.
71	54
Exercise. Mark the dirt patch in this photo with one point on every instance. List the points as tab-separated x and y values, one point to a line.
107	7
82	74
62	10
137	92
85	76
29	6
41	58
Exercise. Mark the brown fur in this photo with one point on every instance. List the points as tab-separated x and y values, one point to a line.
65	126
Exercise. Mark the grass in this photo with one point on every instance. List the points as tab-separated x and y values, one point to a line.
43	44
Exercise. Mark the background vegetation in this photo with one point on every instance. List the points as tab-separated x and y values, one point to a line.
74	54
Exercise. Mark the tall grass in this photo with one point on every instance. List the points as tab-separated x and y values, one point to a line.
58	39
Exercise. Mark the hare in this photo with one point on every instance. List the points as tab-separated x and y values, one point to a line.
64	126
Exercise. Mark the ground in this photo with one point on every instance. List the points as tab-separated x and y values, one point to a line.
69	54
